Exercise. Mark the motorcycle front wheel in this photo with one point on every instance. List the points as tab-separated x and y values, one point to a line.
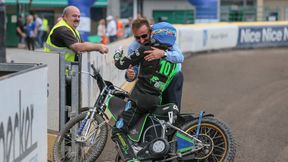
217	138
89	148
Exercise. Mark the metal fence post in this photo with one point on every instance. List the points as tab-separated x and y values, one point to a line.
62	95
62	84
74	89
75	101
73	76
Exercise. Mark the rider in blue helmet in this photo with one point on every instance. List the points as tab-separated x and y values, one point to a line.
163	34
153	78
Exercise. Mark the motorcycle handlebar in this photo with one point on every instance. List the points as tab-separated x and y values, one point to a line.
100	82
120	94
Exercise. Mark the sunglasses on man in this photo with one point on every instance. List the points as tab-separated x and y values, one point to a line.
144	36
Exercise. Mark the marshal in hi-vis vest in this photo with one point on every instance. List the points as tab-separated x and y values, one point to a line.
50	47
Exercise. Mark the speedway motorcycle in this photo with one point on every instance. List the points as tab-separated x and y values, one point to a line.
158	136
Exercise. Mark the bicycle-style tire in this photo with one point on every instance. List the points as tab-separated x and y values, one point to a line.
90	152
214	132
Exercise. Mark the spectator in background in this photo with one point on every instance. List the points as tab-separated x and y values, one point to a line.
128	31
111	29
101	31
160	19
46	28
20	31
120	27
64	38
40	32
31	31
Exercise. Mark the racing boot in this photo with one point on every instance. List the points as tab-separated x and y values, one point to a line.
125	149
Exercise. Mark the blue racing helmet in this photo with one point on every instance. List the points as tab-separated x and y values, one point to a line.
163	33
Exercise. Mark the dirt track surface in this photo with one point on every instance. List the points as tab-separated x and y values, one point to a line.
248	89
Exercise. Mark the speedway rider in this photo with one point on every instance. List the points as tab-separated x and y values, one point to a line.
153	78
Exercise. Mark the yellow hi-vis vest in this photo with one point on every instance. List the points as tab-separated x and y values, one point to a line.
50	47
45	25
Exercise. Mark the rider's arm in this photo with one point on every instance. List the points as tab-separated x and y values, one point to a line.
131	48
123	63
133	59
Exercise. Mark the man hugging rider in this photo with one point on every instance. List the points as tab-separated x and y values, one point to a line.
153	78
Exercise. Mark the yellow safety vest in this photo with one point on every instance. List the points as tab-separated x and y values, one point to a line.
50	47
45	24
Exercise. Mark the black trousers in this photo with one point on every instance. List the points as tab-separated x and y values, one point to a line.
112	38
30	42
142	103
173	92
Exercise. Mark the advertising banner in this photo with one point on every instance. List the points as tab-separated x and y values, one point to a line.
262	36
23	117
52	60
202	38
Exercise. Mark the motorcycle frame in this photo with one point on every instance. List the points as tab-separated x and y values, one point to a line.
100	107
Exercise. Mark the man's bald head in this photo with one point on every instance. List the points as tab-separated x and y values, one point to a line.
71	15
69	9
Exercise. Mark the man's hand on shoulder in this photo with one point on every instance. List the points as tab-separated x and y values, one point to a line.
154	54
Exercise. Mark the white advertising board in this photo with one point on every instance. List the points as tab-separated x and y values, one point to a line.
23	117
262	36
52	60
202	38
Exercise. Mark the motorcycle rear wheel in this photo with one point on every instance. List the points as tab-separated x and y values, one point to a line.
90	150
214	133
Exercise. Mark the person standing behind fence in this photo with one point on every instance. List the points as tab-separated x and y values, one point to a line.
20	30
40	32
120	27
111	29
128	31
31	31
101	31
45	26
64	38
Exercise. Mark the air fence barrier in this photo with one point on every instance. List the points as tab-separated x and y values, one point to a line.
190	39
214	36
23	117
